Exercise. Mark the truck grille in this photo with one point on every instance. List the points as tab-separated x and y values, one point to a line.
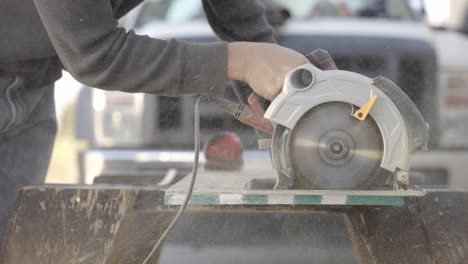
169	113
370	66
409	74
411	78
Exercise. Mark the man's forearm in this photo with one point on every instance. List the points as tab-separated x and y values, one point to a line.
98	53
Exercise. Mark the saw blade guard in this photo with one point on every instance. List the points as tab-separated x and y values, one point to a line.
401	126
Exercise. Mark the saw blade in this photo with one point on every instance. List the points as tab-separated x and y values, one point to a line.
330	149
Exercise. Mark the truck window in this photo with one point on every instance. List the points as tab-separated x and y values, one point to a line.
350	8
176	11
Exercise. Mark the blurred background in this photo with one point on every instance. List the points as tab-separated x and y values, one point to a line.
421	45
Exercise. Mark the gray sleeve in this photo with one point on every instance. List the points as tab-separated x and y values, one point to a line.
98	53
239	20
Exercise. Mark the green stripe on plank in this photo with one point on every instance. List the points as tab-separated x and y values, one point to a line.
307	199
167	199
375	200
204	199
255	199
260	199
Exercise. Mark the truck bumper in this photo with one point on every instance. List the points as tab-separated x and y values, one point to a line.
150	163
435	168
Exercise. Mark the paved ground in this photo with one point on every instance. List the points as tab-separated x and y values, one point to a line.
174	254
272	238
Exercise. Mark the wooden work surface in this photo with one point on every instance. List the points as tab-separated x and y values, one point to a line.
105	224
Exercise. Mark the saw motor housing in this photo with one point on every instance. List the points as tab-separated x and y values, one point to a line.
400	124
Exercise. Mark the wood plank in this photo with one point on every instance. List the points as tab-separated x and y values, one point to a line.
229	188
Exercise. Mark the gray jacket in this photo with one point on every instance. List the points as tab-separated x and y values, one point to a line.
85	37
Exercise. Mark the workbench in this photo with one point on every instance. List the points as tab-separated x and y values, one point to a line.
120	224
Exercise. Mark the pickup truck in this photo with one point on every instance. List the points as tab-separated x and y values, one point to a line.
143	136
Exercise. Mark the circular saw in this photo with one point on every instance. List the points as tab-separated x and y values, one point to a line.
339	130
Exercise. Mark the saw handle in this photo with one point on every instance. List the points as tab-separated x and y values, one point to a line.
253	112
250	114
321	59
257	102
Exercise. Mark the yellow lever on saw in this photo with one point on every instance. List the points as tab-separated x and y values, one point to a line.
362	113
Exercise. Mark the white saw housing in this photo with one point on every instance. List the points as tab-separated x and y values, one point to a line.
402	127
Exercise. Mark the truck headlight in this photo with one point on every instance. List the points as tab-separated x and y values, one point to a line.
454	109
118	118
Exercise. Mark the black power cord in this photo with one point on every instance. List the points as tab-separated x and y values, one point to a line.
192	182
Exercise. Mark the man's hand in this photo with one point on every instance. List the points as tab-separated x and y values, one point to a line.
262	65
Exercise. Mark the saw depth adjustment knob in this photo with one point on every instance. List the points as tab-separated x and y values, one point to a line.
362	113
